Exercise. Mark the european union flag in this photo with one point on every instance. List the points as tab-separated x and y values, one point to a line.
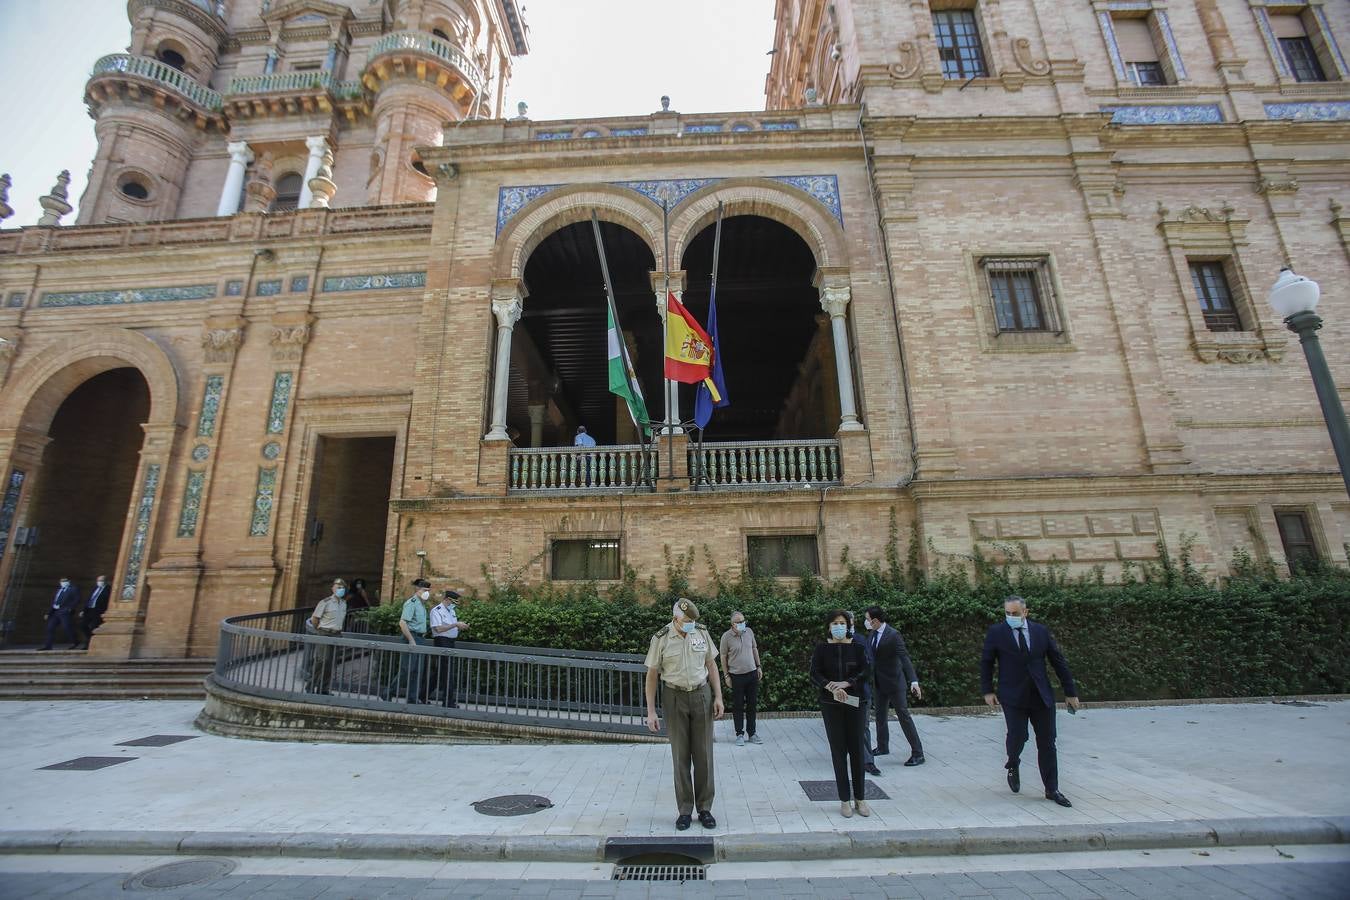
704	404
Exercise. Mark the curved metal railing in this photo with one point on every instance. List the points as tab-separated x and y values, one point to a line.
429	44
155	71
272	655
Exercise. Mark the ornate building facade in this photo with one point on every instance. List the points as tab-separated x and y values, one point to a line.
997	267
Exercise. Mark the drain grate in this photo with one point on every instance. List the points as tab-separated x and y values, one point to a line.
158	740
826	790
513	805
88	763
680	873
179	874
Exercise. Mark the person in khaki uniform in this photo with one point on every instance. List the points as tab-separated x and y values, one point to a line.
682	657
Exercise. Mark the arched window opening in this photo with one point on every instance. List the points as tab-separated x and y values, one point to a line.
288	193
133	187
171	57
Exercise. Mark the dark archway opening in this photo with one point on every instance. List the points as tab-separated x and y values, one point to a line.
777	352
559	351
83	497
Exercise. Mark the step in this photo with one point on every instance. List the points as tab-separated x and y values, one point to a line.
98	671
151	694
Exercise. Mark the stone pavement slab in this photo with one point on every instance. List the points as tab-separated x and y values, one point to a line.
1158	764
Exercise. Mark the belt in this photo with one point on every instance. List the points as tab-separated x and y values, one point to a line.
684	690
329	632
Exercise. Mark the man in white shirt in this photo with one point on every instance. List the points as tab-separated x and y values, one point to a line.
327	620
445	629
583	439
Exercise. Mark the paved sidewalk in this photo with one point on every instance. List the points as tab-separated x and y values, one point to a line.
1156	764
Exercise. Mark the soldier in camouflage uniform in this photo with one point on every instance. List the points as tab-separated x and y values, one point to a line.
683	657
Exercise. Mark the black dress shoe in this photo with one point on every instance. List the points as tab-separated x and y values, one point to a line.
1014	780
877	751
871	769
706	819
1058	798
682	823
915	760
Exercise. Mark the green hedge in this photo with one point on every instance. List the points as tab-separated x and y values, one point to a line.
1164	633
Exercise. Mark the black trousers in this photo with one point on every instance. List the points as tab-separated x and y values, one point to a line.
1042	719
898	698
744	701
844	729
445	672
60	617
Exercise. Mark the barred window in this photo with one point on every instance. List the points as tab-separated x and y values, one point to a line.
958	40
1021	294
783	555
1216	299
593	559
1300	550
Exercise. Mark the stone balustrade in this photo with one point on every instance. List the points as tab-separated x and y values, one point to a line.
429	45
583	470
783	464
154	71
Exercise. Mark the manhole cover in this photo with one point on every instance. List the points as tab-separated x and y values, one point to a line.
660	873
179	874
826	790
88	763
513	805
158	740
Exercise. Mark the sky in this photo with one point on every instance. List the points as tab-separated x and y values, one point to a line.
587	58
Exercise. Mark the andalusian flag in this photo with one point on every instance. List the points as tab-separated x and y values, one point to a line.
622	379
689	350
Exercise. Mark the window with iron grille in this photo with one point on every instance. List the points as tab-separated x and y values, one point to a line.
1216	300
782	555
1302	58
959	47
592	559
1300	550
1021	294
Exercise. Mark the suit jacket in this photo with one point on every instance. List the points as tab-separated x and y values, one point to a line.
67	599
1022	677
871	664
892	660
99	599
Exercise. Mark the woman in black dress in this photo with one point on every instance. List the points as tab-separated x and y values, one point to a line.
839	668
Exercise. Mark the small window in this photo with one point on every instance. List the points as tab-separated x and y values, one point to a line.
288	193
171	58
306	67
1216	300
1020	293
1297	47
1146	74
438	33
1139	53
133	187
959	47
594	559
1300	550
782	555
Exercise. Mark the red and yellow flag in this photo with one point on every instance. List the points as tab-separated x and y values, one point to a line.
689	350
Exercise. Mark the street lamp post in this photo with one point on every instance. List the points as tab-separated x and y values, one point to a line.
1294	299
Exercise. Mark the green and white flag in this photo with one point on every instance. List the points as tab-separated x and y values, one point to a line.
622	379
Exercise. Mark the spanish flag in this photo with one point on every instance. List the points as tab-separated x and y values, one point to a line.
689	350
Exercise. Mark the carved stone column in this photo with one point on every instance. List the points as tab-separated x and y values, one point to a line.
318	146
834	299
260	192
240	157
508	301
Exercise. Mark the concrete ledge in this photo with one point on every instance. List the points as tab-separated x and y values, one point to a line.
726	848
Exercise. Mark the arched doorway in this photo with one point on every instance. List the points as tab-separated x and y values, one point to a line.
775	341
82	496
559	362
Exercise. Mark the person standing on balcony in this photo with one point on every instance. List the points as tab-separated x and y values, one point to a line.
326	620
412	624
445	629
682	657
892	660
740	655
583	439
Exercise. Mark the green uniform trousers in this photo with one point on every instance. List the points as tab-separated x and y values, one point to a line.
689	722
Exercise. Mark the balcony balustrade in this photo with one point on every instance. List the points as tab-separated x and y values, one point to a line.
582	470
425	44
766	464
157	73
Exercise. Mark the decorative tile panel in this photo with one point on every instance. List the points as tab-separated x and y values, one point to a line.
1330	111
1272	46
1330	37
510	200
201	453
129	295
263	500
141	536
553	135
781	126
192	503
591	133
627	132
1168	114
375	282
16	299
299	284
206	422
1112	48
281	399
670	191
703	128
1166	28
269	288
9	505
823	188
271	450
234	288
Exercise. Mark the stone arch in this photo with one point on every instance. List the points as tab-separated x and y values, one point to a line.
564	206
775	200
37	390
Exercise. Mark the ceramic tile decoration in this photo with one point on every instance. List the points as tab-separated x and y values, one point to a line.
379	281
201	453
192	503
1330	111
299	284
206	422
234	288
16	299
269	288
262	501
1166	114
281	399
271	450
9	504
136	558
51	299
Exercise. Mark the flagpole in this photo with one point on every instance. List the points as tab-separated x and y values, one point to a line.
618	326
712	294
671	415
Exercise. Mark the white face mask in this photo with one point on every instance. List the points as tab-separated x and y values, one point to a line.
740	626
425	595
688	627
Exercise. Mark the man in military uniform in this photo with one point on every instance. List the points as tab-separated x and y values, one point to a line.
683	658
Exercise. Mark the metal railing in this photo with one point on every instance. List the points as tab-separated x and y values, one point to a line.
766	463
273	655
583	470
159	73
423	42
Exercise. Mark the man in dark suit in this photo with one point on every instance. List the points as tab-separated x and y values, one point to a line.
91	614
869	762
64	604
892	661
1020	648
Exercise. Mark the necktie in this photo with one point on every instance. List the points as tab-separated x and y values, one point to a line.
1022	641
876	640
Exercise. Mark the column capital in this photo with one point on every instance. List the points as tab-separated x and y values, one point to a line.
677	281
317	144
834	299
239	152
507	310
